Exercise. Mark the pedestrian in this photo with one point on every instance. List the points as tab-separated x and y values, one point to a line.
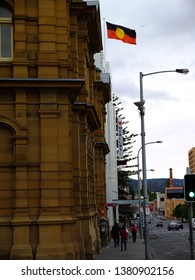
115	234
134	232
124	236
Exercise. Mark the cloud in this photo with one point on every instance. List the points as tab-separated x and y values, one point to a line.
165	41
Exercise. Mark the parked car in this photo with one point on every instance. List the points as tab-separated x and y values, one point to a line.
159	224
180	225
173	226
163	218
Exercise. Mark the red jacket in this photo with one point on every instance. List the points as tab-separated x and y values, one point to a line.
133	229
123	233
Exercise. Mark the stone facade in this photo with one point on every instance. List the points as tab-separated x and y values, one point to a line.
52	115
191	160
174	196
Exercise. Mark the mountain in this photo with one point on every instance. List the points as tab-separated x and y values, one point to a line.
156	185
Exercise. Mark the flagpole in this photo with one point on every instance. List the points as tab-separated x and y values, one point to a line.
104	40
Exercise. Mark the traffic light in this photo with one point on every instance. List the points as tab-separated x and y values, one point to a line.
189	187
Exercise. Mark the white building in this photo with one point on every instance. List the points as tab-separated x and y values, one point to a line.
161	202
111	165
111	158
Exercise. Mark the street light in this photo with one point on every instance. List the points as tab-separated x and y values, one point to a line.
141	108
139	187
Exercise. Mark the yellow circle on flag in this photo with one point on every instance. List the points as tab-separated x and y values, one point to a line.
120	33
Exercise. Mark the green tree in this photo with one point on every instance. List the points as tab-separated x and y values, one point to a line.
181	211
125	170
128	138
152	196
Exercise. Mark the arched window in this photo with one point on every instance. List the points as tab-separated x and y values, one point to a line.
5	34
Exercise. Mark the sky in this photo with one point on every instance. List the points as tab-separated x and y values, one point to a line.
165	41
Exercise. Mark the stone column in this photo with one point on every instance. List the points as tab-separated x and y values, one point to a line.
50	220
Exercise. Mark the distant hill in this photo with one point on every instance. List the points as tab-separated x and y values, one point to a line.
156	185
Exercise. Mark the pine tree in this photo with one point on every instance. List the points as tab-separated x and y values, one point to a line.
125	170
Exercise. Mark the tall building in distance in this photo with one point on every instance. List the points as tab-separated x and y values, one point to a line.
191	159
52	126
111	157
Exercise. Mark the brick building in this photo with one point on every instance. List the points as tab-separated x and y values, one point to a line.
52	115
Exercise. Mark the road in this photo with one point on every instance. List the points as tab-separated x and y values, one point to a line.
170	245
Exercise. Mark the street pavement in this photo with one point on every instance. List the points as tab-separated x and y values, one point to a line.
135	251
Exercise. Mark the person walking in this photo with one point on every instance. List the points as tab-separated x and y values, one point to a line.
134	232
124	236
115	234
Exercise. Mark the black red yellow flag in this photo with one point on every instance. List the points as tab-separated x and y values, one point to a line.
122	33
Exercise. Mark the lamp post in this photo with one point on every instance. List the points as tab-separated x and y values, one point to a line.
139	185
141	108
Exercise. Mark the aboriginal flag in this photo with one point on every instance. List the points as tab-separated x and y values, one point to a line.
119	32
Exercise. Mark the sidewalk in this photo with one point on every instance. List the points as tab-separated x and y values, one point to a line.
135	251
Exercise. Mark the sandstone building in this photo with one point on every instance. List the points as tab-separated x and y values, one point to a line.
174	195
191	160
52	115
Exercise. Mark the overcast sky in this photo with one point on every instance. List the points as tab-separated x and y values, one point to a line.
165	41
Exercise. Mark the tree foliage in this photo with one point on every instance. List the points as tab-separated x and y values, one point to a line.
181	211
124	171
128	138
152	196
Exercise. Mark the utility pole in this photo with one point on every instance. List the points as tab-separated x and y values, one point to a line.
190	206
